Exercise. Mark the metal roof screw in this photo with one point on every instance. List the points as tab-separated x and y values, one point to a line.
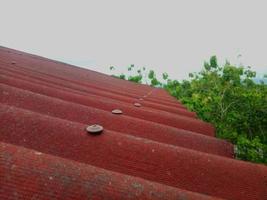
94	129
141	99
116	111
13	62
137	104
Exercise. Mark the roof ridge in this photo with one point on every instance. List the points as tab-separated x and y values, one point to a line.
183	123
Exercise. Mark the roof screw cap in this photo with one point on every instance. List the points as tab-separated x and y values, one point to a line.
117	111
94	129
141	99
137	104
13	62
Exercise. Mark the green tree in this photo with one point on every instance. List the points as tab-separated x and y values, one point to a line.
228	97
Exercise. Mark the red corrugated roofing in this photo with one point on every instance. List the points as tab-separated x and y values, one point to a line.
157	151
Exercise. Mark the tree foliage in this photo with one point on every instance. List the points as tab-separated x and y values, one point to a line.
140	75
228	97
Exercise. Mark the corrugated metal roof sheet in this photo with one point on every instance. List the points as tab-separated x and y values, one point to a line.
157	151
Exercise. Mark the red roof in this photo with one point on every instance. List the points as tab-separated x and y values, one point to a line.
157	151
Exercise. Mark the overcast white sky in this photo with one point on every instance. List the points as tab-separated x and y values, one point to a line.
164	35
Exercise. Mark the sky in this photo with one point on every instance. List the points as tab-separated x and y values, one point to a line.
170	36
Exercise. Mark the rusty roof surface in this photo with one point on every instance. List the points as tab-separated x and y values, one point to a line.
153	149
